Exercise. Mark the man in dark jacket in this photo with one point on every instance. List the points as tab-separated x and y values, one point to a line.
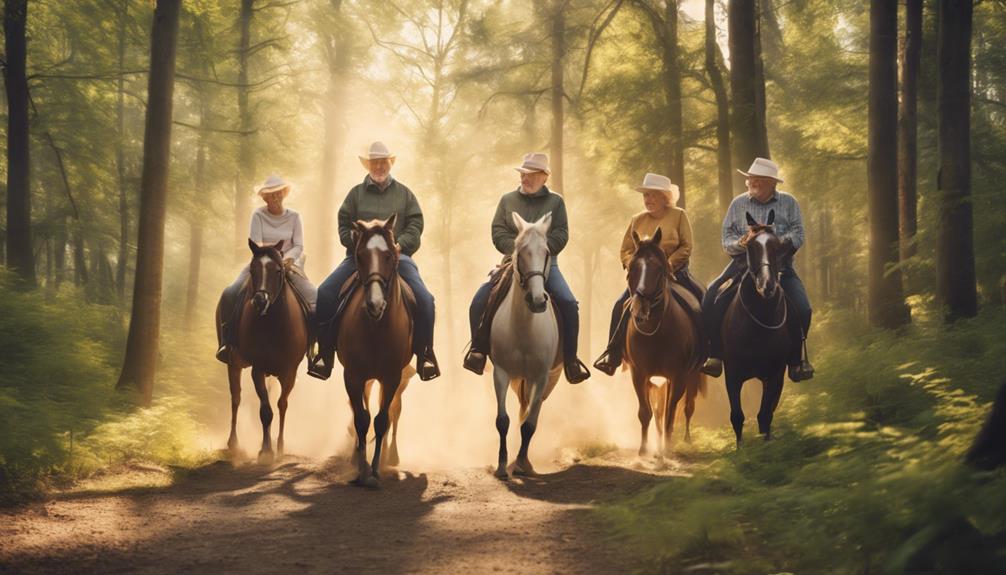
531	201
378	198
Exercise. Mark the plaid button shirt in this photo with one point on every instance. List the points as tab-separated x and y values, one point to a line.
788	220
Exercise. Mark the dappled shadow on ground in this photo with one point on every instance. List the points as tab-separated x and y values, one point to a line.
583	484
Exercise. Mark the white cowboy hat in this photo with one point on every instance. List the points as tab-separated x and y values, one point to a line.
273	183
534	162
658	183
376	151
763	168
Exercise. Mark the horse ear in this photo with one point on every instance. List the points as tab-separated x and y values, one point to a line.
390	224
545	221
279	246
751	220
656	236
771	217
635	239
518	221
253	246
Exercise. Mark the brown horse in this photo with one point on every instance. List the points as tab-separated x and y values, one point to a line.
375	338
271	338
663	340
756	341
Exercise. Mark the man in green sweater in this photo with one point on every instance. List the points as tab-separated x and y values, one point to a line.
531	201
378	198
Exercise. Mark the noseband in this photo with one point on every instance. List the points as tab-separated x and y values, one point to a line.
654	302
523	278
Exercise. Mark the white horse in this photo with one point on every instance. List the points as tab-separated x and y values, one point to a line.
524	343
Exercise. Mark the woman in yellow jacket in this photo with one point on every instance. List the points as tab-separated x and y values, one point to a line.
659	199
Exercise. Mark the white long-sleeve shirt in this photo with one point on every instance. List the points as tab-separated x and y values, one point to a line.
269	229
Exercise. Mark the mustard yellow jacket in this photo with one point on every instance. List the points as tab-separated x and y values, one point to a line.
675	236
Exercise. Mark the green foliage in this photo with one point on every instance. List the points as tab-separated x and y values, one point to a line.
60	417
865	474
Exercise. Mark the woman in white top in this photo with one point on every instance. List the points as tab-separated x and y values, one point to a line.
269	224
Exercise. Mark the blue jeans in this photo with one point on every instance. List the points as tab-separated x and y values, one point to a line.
557	287
328	298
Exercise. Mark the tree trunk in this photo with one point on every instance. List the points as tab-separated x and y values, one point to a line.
955	256
19	248
80	276
761	122
59	251
196	230
144	327
246	152
672	89
558	53
120	158
714	68
338	56
911	53
886	308
748	130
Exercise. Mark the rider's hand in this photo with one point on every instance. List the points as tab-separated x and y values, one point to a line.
743	242
287	263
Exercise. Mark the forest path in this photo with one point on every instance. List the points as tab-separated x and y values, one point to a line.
304	516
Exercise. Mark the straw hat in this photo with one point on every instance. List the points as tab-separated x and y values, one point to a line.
534	162
376	151
658	183
273	183
763	168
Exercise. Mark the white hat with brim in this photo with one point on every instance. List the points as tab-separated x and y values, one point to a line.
376	151
534	162
658	183
273	183
763	168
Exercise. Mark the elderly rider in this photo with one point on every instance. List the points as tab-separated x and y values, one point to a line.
378	197
531	201
761	198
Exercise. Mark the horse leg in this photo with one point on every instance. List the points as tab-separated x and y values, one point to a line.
265	455
734	384
361	420
523	465
771	391
286	383
501	382
691	390
658	401
676	390
389	386
396	411
642	384
234	377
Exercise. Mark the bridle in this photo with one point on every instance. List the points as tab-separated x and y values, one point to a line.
269	300
655	302
375	276
751	272
523	278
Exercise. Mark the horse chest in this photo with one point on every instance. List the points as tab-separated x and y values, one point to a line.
523	343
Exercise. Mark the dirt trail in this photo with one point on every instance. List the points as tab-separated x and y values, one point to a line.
303	516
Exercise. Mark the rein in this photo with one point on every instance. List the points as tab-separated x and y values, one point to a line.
523	278
269	301
785	310
656	302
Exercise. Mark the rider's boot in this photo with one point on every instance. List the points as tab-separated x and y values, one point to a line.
575	370
320	366
426	364
611	359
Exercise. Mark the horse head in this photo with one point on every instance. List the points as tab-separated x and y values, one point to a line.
647	276
376	254
267	274
765	253
531	260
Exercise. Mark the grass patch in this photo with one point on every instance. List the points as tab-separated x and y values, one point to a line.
865	474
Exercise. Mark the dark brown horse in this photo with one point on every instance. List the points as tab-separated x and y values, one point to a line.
756	341
375	338
271	338
662	340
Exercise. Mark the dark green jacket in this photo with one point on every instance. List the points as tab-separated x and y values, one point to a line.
367	201
531	207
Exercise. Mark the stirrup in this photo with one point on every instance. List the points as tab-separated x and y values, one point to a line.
801	371
575	371
319	368
426	365
713	367
475	361
605	365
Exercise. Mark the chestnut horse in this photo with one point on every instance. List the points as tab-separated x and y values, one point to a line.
662	339
756	341
375	339
271	338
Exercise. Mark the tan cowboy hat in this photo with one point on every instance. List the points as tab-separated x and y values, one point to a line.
273	183
658	183
763	168
376	151
534	162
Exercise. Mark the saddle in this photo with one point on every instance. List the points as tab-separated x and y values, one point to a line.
305	309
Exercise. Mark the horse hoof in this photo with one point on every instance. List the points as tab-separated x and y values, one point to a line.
501	473
368	481
266	457
391	460
524	469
